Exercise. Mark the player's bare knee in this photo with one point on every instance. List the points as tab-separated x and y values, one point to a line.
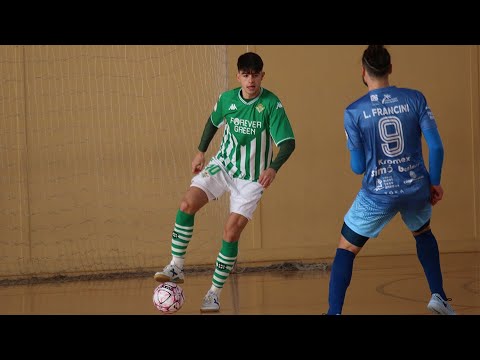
349	247
232	232
187	207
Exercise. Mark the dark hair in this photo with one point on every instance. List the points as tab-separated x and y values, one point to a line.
250	62
376	60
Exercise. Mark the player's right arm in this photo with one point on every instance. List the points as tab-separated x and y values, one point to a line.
209	132
354	144
198	162
357	161
213	123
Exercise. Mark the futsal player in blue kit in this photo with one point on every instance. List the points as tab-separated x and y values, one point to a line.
384	130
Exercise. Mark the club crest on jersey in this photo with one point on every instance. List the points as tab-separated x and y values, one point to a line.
374	99
260	108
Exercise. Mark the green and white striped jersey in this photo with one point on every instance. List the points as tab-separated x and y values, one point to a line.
251	128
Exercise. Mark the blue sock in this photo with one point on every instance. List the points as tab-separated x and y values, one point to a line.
340	277
427	251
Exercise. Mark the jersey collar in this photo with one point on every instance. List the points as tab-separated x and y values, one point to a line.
251	101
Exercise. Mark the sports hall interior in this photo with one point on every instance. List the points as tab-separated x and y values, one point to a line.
97	143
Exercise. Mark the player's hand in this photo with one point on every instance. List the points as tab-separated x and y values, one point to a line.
436	194
198	162
266	177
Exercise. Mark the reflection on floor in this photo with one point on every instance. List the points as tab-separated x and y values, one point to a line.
393	285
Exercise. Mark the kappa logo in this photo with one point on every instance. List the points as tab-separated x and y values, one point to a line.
232	107
279	105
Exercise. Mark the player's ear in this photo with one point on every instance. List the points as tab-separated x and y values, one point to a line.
263	74
238	76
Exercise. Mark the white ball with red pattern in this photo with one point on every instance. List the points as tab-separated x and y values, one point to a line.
168	297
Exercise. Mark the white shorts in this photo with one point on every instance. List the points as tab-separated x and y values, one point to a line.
215	181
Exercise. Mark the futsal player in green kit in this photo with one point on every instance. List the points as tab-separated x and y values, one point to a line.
254	121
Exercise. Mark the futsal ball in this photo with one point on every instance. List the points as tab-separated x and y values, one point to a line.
168	297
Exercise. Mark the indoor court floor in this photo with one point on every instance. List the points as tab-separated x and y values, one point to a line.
387	285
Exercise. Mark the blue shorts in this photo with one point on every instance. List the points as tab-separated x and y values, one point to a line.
367	217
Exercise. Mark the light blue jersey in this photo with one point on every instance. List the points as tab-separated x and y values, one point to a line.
387	124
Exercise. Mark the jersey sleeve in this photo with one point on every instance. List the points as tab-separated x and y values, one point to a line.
426	118
435	152
354	139
217	117
280	128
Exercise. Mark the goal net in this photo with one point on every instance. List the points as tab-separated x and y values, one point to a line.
96	146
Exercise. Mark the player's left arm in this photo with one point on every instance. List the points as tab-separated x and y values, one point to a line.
282	134
435	162
433	139
286	149
429	128
435	154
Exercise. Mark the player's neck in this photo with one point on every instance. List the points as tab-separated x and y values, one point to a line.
249	96
374	85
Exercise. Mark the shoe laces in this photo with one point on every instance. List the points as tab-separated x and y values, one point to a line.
170	266
210	296
448	299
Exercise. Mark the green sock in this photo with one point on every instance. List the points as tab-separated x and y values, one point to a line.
182	233
225	261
